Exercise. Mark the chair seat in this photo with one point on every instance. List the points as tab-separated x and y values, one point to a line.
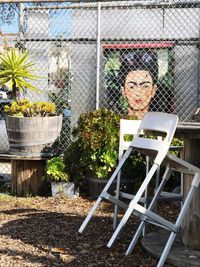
180	165
174	162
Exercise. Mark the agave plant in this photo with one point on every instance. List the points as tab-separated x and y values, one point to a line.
16	71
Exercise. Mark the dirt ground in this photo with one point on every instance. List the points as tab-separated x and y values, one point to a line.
43	232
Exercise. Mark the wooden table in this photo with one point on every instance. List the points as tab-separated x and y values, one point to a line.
191	224
26	173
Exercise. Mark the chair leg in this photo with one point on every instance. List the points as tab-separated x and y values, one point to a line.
167	249
132	204
157	178
194	184
165	178
146	191
135	238
89	216
115	216
112	178
156	185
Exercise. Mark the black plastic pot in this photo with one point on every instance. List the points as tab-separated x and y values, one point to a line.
96	185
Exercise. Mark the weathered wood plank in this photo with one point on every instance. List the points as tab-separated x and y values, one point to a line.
191	223
27	176
8	156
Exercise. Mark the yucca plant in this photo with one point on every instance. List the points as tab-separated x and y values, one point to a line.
16	70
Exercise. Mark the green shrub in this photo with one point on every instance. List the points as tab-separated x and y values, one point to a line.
55	170
95	146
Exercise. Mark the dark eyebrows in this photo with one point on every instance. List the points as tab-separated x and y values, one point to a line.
132	83
144	82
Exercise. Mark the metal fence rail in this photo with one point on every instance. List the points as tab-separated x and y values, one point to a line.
128	56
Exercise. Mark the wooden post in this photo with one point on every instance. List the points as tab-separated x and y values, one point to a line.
191	223
27	176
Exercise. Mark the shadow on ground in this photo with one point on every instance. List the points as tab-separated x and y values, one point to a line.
56	241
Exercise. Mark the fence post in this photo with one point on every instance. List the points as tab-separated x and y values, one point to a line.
21	21
98	53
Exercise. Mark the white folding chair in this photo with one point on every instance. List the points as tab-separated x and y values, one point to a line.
156	117
127	127
130	127
160	124
164	123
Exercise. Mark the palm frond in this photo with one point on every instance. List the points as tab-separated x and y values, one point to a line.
4	81
5	62
4	73
28	85
22	59
24	74
27	65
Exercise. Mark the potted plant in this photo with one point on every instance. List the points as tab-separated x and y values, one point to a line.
59	178
93	154
32	128
16	71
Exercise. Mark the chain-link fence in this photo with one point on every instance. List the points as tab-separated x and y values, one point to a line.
128	56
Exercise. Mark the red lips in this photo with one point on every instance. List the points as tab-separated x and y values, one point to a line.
139	101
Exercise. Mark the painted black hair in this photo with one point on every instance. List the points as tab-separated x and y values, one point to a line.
145	59
138	60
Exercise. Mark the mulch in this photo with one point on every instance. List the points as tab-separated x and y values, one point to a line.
43	232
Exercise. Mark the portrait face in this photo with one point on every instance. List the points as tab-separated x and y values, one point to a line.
139	90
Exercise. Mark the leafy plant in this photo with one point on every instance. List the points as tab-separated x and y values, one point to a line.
24	108
95	147
55	170
94	150
15	71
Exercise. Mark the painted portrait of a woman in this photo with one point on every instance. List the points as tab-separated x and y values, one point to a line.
139	86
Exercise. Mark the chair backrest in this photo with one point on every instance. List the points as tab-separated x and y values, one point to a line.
156	124
127	127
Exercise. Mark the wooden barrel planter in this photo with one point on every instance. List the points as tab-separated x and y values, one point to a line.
33	135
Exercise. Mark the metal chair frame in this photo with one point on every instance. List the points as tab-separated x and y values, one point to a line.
130	127
159	151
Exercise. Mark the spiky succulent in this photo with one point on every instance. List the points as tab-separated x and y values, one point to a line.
16	71
24	108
